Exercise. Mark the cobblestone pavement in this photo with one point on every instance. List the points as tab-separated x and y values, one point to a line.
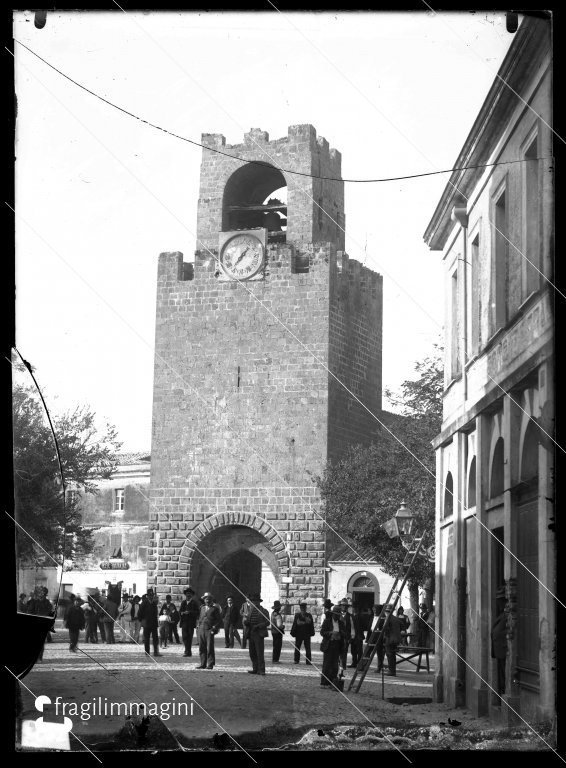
257	711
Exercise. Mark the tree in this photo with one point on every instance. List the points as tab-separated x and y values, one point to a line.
366	486
42	506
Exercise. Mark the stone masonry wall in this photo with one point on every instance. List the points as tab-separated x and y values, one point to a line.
240	411
355	339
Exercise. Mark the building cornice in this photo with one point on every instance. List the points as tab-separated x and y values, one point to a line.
497	392
522	59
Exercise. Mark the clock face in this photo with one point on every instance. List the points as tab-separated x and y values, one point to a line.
242	257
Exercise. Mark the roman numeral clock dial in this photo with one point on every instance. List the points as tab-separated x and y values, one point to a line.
242	257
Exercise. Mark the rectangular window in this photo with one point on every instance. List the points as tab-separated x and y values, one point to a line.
531	229
115	541
474	329
142	554
499	272
119	500
455	326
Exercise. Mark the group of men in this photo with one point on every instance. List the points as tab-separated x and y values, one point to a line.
341	630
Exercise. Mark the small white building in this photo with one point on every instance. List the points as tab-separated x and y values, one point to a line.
360	578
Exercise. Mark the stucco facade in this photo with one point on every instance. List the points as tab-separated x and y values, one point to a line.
495	452
118	516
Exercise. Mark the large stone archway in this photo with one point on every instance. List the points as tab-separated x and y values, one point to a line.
225	553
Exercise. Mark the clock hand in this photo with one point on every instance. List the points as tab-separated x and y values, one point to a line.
241	256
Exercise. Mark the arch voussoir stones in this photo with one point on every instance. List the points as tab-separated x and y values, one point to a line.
226	519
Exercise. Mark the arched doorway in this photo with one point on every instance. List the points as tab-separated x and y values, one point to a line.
235	560
364	588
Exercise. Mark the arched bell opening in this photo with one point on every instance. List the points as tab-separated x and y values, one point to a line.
255	196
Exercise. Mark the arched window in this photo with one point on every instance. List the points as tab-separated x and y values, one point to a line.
448	495
529	456
471	498
496	484
256	196
364	582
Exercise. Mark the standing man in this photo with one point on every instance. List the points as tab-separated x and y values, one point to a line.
108	618
258	622
209	622
405	623
22	604
245	611
170	609
377	623
123	613
357	635
135	619
90	625
148	612
189	613
302	630
230	618
391	640
333	633
347	619
277	631
499	640
74	621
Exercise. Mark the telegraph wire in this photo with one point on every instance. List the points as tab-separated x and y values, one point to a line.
261	162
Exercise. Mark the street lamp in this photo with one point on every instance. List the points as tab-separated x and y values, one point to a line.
401	524
404	518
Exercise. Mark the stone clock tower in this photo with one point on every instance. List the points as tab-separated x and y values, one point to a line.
244	416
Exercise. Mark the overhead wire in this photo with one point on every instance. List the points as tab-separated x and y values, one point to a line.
262	163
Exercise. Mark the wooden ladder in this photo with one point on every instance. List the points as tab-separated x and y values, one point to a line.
393	598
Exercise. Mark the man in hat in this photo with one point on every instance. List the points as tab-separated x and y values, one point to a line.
258	622
245	611
333	631
302	630
109	618
499	640
357	635
189	613
123	614
277	630
391	639
209	622
135	619
230	617
74	621
170	609
148	616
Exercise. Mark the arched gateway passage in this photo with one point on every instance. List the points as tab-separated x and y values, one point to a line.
227	553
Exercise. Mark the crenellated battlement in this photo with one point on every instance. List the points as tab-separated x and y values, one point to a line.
232	194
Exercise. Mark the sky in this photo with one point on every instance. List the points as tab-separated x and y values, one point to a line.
100	194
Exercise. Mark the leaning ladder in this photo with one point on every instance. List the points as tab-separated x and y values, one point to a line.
393	598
